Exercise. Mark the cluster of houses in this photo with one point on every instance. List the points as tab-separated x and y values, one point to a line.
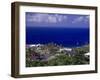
43	52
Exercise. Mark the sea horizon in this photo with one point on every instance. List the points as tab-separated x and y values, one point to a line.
67	37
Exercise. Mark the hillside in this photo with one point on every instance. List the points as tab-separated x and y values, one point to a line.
52	55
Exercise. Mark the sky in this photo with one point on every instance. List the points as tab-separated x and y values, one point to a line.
56	20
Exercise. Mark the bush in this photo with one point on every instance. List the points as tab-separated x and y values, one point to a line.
60	60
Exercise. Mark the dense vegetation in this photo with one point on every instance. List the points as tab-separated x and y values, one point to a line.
49	55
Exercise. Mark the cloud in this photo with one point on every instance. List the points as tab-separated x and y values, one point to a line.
81	19
35	17
51	19
87	19
56	20
46	18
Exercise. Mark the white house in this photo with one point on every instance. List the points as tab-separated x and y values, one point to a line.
66	49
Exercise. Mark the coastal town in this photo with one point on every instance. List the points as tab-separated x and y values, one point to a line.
52	54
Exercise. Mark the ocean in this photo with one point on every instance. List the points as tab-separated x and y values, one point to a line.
67	37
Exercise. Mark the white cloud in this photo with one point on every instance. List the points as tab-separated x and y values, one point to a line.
51	19
81	19
78	19
86	18
47	18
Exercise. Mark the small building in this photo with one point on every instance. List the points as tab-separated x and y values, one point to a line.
65	49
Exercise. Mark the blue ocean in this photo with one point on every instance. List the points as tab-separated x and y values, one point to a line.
67	37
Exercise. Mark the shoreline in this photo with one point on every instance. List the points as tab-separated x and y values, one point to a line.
33	45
